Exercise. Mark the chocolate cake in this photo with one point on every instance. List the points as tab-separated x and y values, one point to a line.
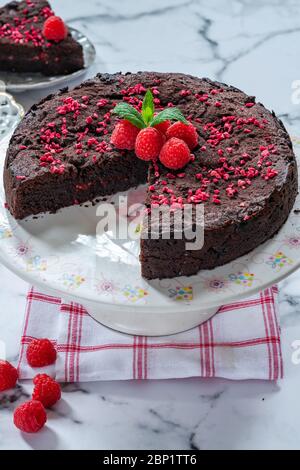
243	172
23	48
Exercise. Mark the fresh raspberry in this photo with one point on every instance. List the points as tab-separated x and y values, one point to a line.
149	143
163	127
55	29
40	353
46	390
30	416
124	135
186	132
8	376
175	154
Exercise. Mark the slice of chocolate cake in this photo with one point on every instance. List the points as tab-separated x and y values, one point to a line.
23	46
243	172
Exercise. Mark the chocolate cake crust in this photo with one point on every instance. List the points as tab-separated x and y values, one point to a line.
244	170
23	47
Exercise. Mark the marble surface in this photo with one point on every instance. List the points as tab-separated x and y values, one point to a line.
255	46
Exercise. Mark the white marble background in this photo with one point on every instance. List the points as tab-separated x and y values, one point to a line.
254	45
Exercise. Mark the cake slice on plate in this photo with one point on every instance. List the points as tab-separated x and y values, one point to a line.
32	39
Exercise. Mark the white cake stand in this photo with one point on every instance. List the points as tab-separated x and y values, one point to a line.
60	253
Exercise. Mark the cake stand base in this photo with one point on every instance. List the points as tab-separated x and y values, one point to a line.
131	321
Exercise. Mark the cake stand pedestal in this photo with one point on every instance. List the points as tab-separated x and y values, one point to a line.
158	323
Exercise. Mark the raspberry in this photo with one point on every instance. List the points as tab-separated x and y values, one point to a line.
46	390
186	132
30	416
175	154
163	126
8	376
55	29
148	144
124	135
40	353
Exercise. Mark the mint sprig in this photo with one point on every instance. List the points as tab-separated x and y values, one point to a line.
128	112
146	118
169	114
148	107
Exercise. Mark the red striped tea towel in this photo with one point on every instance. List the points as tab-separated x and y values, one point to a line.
242	341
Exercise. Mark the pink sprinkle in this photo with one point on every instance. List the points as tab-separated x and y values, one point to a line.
245	155
92	141
101	103
216	200
231	192
202	98
185	93
270	174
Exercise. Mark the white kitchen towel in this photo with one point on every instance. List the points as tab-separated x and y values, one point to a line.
242	341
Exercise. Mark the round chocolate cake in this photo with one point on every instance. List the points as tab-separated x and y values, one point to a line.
243	170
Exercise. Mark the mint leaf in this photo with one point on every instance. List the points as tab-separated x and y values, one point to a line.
172	114
148	107
128	112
